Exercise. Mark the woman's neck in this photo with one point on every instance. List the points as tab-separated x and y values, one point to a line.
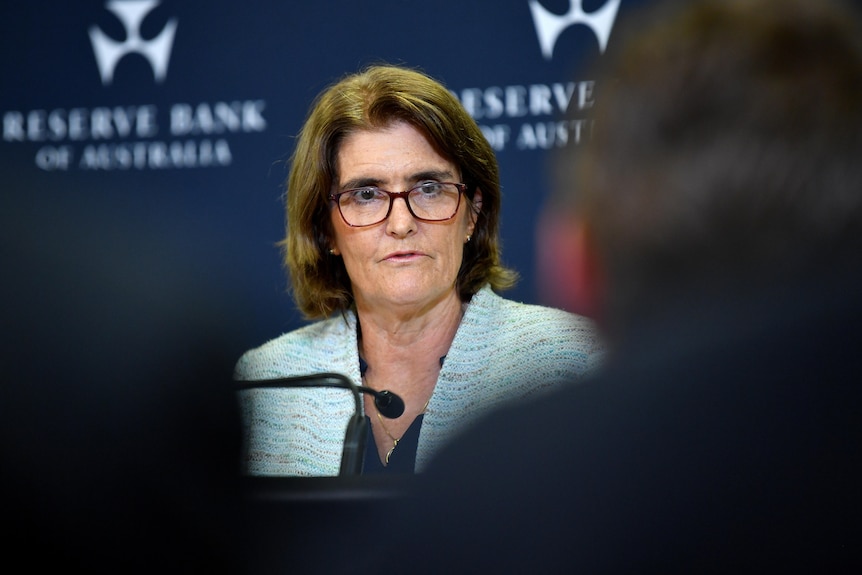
403	355
403	351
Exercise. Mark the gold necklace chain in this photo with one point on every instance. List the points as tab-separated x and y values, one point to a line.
394	440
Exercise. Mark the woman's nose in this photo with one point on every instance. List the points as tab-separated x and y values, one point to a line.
401	220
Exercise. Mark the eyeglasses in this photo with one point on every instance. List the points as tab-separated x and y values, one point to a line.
429	202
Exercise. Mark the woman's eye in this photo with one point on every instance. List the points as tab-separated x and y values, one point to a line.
430	187
365	194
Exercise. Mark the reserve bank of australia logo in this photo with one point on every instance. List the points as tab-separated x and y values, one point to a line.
549	26
109	52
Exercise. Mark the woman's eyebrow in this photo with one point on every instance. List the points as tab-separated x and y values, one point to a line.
439	175
362	182
365	182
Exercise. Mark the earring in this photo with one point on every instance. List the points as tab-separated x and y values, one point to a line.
468	239
331	252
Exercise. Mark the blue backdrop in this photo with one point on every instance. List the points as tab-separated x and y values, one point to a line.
172	121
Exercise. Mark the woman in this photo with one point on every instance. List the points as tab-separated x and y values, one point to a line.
393	201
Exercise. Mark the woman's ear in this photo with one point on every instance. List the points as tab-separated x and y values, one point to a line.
474	212
477	201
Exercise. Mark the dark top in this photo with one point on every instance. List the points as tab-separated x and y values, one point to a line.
403	458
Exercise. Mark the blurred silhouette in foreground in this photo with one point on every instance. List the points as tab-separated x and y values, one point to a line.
715	222
119	428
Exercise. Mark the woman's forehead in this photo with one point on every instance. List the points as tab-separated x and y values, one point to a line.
396	153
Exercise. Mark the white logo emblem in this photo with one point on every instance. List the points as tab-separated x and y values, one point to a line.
549	25
131	13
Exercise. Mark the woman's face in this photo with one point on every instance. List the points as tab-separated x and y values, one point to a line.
401	261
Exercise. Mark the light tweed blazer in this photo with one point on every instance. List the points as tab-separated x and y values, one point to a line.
502	351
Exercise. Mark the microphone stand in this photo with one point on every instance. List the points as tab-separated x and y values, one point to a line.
355	437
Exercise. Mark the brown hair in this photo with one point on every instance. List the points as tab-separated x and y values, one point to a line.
374	98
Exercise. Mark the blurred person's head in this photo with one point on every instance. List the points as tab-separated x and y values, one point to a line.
727	152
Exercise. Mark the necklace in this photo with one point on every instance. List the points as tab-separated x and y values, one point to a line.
394	440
